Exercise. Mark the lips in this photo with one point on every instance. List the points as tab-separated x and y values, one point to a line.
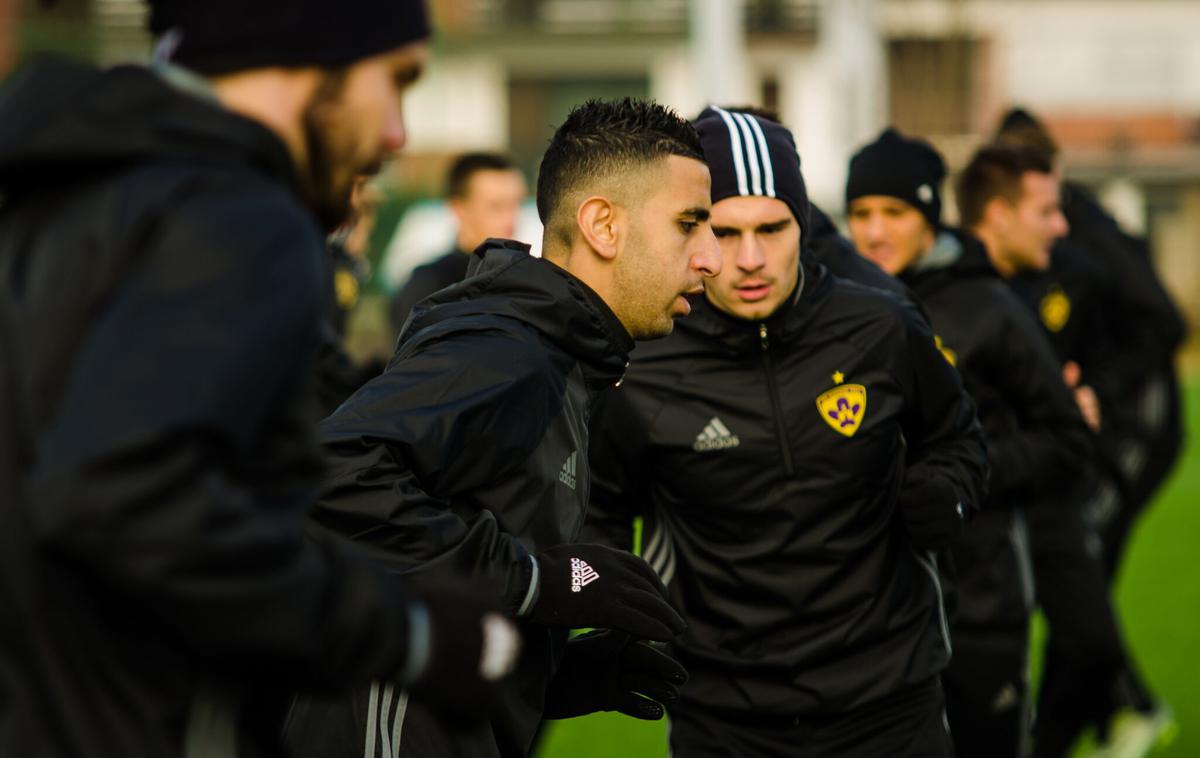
752	292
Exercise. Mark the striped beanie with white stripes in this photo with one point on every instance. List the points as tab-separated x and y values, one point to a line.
751	155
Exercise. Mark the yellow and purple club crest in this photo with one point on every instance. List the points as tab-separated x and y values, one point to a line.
844	406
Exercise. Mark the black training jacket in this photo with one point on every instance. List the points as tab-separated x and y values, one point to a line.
1037	442
470	452
1144	428
162	292
766	460
1069	300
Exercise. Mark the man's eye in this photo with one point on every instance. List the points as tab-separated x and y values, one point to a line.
722	233
688	226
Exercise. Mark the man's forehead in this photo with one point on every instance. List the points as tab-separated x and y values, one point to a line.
688	181
1038	186
751	209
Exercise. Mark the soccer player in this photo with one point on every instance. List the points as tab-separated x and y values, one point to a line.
470	452
1036	439
798	448
1116	343
484	192
163	279
1138	385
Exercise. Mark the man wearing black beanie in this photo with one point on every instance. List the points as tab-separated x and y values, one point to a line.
163	282
798	449
1037	442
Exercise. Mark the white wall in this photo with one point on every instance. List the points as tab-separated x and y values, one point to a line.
461	103
1067	54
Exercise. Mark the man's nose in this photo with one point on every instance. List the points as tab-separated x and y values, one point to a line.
708	259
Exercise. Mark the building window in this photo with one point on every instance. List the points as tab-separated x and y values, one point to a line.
932	84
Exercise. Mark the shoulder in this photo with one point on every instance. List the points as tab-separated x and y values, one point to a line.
838	255
851	304
479	360
440	272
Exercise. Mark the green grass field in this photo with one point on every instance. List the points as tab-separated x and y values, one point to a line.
1159	598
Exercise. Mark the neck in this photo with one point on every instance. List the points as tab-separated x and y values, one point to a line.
584	264
275	98
992	246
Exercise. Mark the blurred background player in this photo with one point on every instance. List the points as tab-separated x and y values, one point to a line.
797	448
484	192
1037	442
1139	388
1116	330
164	276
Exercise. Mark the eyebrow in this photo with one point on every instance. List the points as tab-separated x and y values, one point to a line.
699	214
774	226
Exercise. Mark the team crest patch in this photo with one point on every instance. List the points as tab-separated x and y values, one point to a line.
1055	309
844	406
950	356
346	288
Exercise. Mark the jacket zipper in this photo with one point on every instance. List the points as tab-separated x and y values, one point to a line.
776	404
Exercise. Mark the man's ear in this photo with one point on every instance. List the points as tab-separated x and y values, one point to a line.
998	213
598	223
455	205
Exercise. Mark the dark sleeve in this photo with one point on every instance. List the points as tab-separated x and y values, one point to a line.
940	426
619	457
405	452
174	476
1049	445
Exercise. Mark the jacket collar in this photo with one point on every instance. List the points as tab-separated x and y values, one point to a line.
503	279
784	325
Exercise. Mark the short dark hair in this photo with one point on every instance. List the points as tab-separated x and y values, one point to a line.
1022	128
995	171
468	164
605	137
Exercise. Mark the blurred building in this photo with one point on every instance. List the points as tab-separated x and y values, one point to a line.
1118	81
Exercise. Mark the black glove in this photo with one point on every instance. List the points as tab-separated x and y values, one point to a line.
596	586
606	671
933	512
471	647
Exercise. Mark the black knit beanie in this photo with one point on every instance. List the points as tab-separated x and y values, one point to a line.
900	167
222	36
750	155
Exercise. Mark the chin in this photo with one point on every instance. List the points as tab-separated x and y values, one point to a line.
655	331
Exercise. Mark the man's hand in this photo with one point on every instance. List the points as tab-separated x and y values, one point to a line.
596	586
465	646
1085	396
606	671
933	512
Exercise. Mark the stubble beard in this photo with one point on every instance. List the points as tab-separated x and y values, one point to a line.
327	182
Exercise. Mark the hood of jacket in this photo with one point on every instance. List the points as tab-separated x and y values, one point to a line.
505	281
62	121
956	255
